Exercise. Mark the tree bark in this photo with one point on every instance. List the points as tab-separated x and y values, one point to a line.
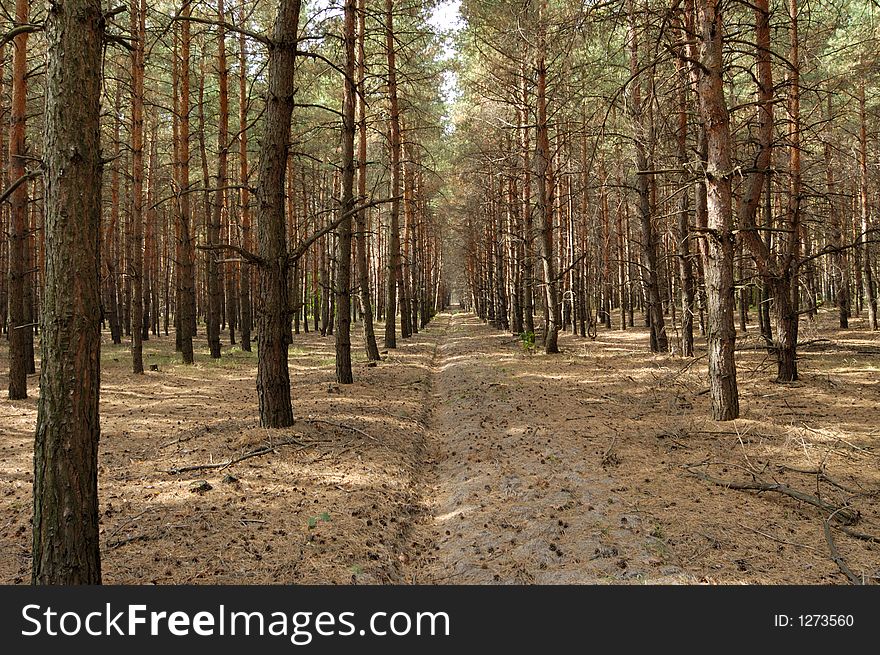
363	270
650	281
870	298
682	236
65	526
343	244
19	238
840	262
718	265
528	225
545	191
151	259
245	277
136	264
215	288
394	273
186	291
273	310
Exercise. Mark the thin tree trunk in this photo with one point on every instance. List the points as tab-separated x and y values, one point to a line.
641	139
682	236
136	263
19	239
4	230
227	278
185	269
151	273
840	261
343	245
545	191
870	298
245	277
394	265
215	218
363	270
528	227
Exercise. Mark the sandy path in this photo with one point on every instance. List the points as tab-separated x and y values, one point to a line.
461	458
513	494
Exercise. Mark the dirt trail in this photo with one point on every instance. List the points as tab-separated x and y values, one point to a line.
463	458
513	495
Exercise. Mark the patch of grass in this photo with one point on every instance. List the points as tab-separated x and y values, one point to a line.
527	341
324	517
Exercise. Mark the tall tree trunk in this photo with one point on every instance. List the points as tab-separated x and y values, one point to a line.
840	262
682	236
228	273
20	333
528	226
870	298
777	265
245	196
273	311
4	230
642	130
361	217
65	526
215	288
787	282
404	286
136	264
111	245
185	269
545	190
718	265
343	243
151	271
394	275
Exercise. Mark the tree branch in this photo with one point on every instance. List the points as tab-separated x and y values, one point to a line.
301	249
266	41
24	28
250	257
31	175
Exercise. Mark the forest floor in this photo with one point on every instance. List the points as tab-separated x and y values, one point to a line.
466	458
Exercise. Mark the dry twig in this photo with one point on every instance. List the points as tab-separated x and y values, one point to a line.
842	514
837	558
264	450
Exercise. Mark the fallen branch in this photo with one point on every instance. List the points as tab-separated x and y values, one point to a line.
837	558
138	537
128	540
776	539
855	534
807	344
126	522
264	450
842	514
821	475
